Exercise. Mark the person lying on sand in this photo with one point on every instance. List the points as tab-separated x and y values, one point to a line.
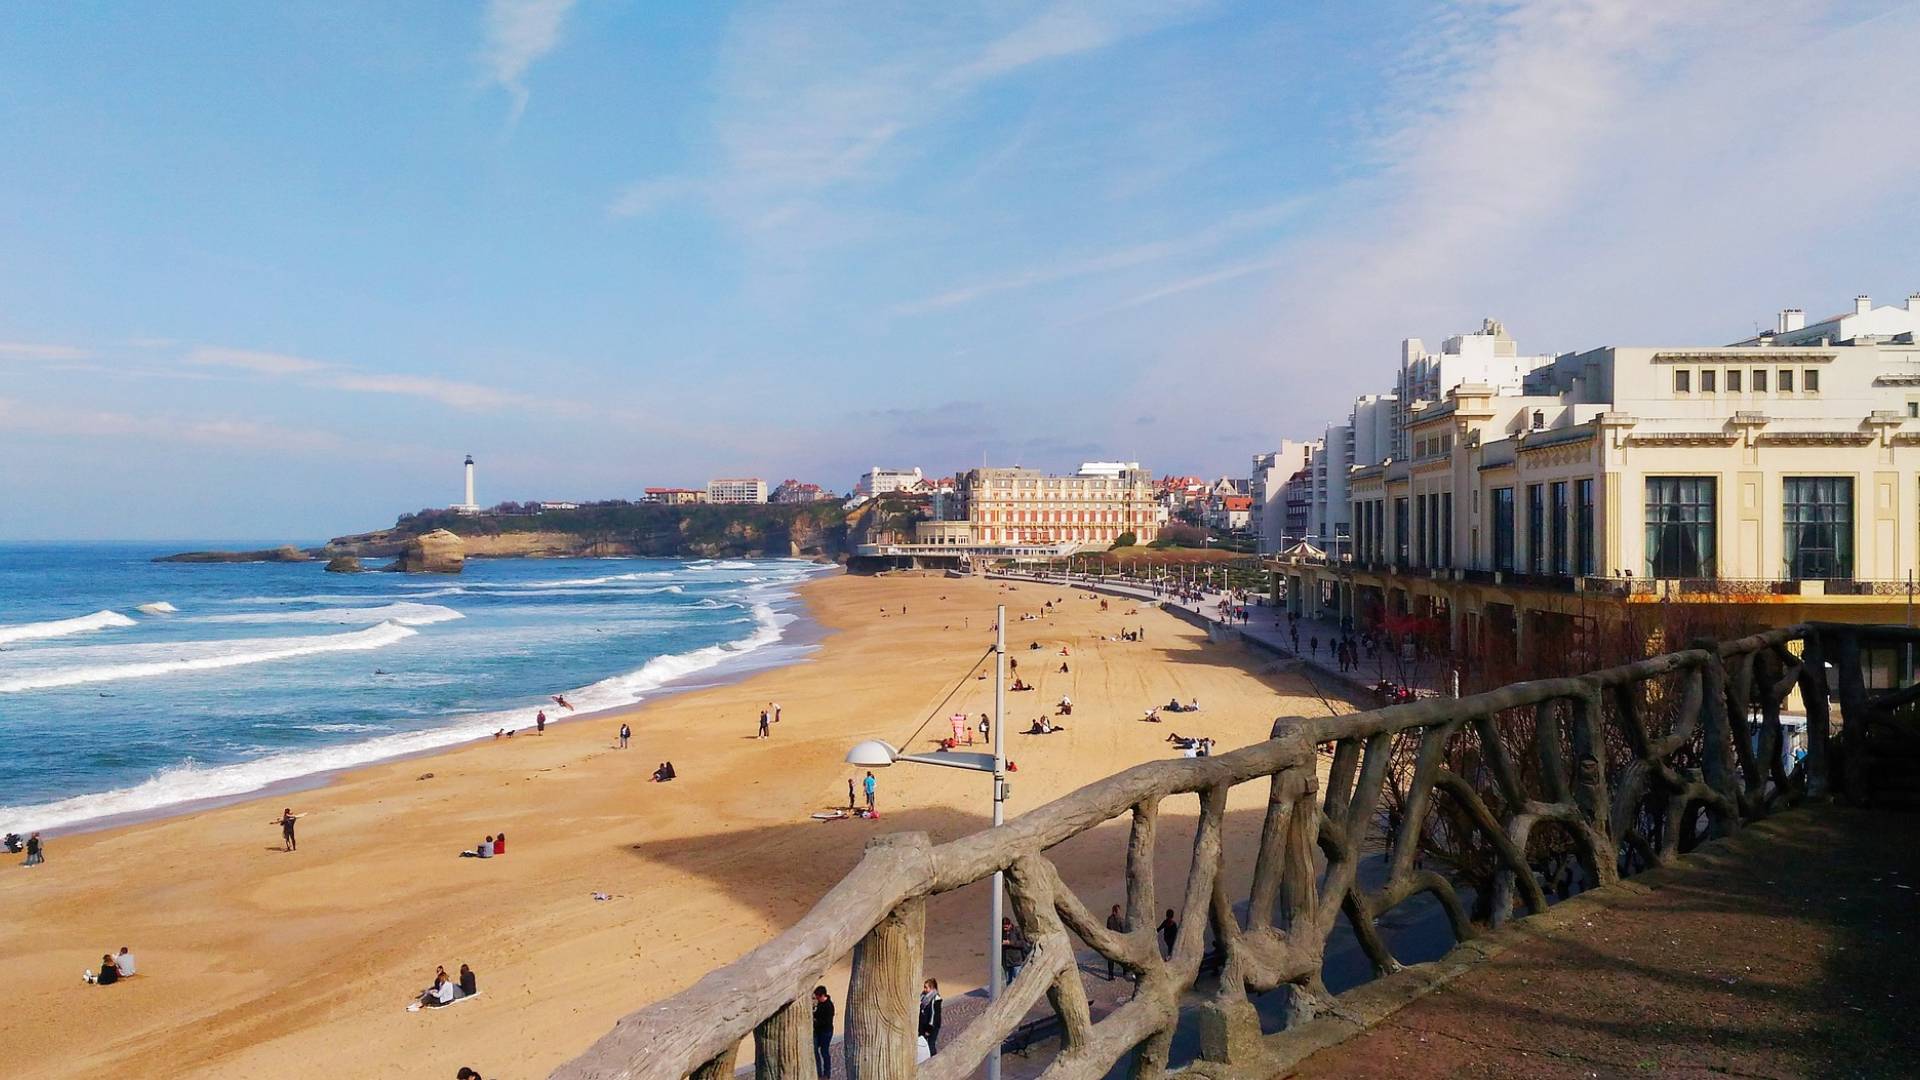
1152	717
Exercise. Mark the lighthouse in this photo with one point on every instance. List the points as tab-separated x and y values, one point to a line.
469	507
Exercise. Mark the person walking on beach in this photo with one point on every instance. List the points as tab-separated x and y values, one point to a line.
287	818
625	734
763	724
540	722
36	854
930	1009
1169	931
822	1033
1117	923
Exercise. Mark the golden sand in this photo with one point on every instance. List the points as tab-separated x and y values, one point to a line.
259	963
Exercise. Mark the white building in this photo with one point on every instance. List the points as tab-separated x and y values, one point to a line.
1110	469
1487	357
1271	471
879	481
737	490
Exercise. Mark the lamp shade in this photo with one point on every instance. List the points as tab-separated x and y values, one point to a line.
872	754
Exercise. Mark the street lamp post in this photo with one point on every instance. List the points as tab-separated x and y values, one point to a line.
877	754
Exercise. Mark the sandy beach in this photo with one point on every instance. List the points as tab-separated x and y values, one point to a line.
255	962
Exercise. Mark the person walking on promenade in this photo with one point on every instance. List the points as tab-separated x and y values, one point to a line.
763	723
36	852
1117	923
822	1033
625	734
287	818
1013	949
930	1008
869	783
1169	931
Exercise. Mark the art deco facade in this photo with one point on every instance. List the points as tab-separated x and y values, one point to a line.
1782	473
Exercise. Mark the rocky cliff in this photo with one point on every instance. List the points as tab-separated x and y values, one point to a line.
438	552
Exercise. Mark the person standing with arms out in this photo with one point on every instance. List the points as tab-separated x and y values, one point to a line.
1169	931
870	784
763	724
625	734
287	818
930	1008
1117	923
822	1033
36	854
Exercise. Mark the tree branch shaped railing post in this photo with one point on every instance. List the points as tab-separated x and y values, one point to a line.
1495	779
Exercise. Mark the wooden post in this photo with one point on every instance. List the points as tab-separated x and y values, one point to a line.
883	995
1813	694
1853	716
782	1046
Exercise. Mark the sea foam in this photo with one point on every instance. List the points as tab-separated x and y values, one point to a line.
99	620
406	613
191	781
143	661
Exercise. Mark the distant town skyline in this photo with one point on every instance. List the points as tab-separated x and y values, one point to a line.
273	272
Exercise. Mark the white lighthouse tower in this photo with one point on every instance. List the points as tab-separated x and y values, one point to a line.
468	507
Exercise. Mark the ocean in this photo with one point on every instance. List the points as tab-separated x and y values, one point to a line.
128	686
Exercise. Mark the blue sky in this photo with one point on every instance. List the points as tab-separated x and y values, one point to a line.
269	270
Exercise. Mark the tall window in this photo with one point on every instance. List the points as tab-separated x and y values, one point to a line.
1810	380
1402	552
1583	526
1680	524
1785	381
1503	528
1733	380
1536	528
1708	378
1759	380
1819	517
1557	526
1682	380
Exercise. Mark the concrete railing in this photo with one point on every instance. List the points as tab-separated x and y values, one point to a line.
1635	764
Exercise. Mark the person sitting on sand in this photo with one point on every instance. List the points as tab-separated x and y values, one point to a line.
482	850
664	773
444	991
1063	667
1194	705
500	844
106	976
124	963
469	985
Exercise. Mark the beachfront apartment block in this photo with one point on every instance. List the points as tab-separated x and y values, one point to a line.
736	491
1090	508
1780	473
674	496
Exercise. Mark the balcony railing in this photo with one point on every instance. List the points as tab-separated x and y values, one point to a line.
1636	764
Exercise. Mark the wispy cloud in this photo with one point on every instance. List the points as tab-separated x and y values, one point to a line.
520	32
264	363
69	423
810	100
646	196
1196	241
37	352
457	395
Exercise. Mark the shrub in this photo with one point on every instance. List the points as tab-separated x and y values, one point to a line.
1124	540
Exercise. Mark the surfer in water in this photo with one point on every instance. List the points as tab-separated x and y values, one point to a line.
561	700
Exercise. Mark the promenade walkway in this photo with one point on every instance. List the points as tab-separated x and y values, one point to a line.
1787	951
1268	628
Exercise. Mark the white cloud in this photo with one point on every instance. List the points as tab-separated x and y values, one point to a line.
35	352
69	423
264	363
1196	241
810	99
458	395
646	196
1594	172
520	32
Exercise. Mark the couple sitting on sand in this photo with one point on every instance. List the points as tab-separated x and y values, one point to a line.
1043	726
1173	705
488	848
664	773
446	991
112	969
